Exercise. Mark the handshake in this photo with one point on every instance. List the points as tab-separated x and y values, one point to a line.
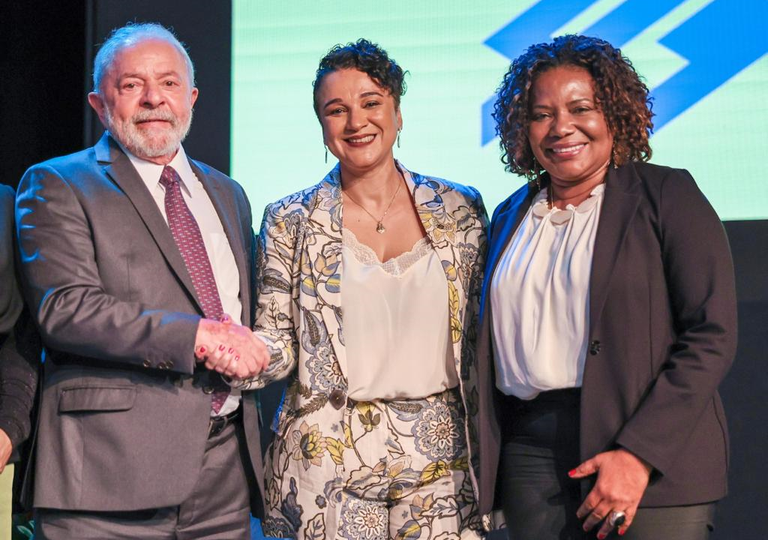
230	349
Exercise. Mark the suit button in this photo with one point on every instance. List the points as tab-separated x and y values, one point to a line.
207	389
147	363
169	364
337	399
161	365
594	347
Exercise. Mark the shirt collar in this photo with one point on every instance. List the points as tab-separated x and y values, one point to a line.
150	172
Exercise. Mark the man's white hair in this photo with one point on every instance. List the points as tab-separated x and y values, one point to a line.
129	35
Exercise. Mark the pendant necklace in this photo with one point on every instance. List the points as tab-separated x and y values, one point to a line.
379	221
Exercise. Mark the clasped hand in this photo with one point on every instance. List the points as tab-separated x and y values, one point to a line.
621	481
230	349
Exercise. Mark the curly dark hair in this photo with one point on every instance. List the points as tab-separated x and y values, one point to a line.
367	57
619	92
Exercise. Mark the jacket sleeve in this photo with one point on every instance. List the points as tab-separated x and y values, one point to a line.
701	285
19	371
19	350
62	283
10	297
475	286
277	278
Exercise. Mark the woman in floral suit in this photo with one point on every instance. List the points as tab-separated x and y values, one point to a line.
372	438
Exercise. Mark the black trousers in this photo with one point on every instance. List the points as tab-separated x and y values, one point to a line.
539	499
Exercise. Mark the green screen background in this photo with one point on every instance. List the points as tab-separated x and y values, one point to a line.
277	145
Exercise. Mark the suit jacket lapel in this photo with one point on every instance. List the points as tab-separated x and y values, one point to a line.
119	168
503	227
429	205
431	208
442	231
325	221
619	208
226	209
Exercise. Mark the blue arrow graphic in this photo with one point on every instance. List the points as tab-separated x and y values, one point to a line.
629	19
537	24
719	41
534	25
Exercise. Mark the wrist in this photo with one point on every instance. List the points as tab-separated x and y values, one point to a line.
204	338
5	439
647	467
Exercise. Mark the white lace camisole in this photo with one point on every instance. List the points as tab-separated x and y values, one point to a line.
396	323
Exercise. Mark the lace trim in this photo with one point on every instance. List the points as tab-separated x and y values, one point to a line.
396	266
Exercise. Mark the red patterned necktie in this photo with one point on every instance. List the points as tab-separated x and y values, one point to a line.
188	238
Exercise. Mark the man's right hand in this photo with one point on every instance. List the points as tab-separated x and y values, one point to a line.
239	354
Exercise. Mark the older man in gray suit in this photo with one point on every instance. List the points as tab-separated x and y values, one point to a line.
136	262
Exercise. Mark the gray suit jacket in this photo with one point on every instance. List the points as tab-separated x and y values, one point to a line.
662	331
125	408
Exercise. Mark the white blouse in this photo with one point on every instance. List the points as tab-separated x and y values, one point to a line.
396	323
540	298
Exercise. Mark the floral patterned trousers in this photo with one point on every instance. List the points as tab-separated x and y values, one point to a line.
388	469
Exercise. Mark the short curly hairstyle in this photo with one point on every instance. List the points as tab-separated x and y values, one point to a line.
364	56
619	92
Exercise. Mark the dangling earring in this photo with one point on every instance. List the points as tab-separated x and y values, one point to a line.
398	137
535	167
326	154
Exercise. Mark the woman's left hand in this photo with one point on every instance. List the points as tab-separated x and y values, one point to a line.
621	481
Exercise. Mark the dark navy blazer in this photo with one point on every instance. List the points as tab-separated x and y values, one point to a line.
662	335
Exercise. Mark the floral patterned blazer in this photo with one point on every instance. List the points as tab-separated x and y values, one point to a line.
299	278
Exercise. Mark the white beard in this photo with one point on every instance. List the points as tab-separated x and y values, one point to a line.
141	144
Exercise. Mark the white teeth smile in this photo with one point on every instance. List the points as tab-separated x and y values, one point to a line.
361	140
573	148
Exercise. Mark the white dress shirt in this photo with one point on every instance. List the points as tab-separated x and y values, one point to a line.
396	323
215	239
540	298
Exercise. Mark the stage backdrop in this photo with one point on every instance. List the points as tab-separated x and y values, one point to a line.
704	61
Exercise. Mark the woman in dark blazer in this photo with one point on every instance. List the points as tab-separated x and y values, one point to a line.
608	315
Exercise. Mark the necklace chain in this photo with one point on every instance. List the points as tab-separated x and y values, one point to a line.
551	196
379	221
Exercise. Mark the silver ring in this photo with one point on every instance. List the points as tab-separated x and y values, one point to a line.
616	518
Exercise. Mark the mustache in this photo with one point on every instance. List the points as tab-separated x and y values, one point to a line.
148	116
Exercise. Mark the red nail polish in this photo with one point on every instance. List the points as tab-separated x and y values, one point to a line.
571	472
622	531
221	347
230	350
202	349
601	536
